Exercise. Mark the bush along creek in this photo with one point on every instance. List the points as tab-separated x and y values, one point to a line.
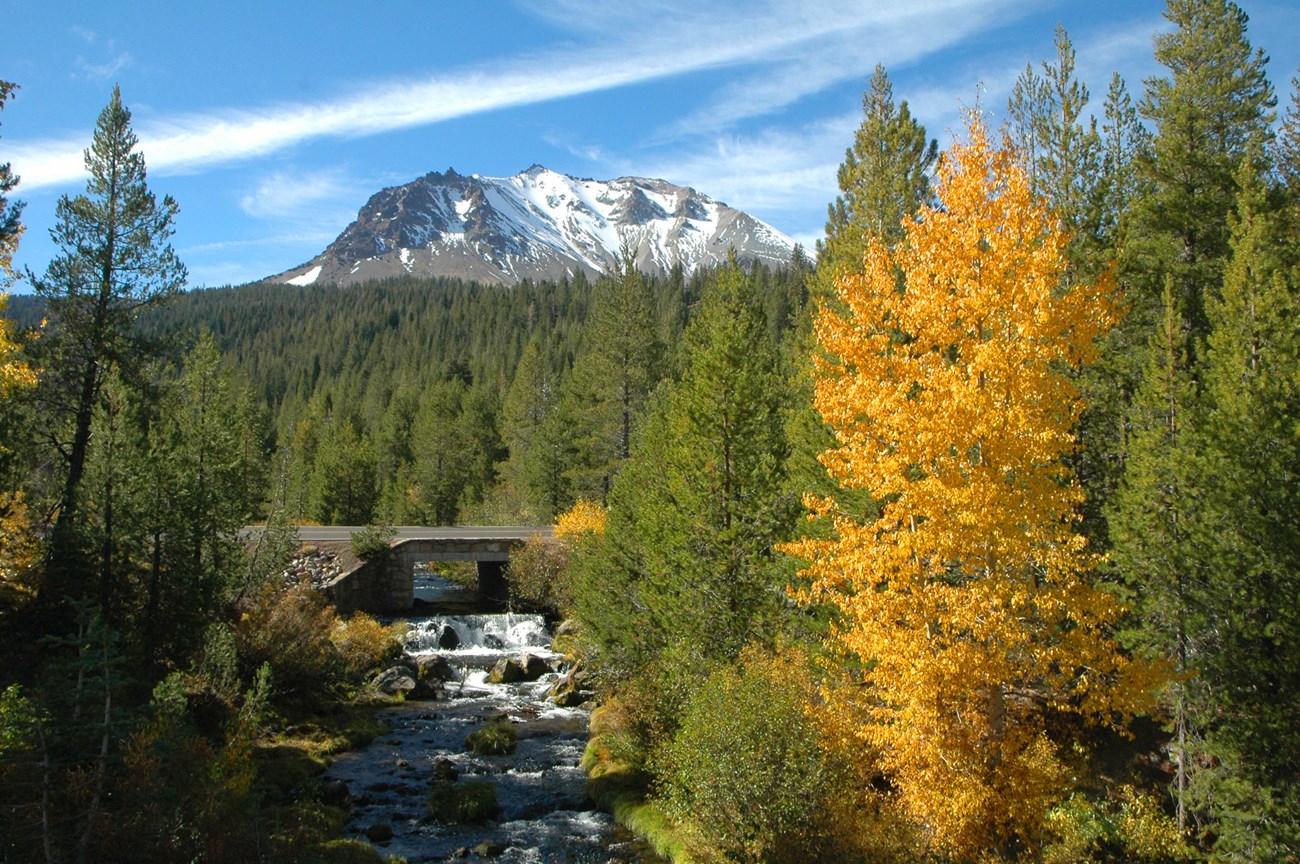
482	757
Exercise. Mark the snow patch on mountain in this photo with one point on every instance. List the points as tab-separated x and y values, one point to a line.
538	224
306	278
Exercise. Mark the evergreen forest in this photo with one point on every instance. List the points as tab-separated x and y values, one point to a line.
972	535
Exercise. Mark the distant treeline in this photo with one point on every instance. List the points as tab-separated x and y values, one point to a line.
345	374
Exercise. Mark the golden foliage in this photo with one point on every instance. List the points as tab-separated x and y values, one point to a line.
18	545
945	377
364	643
582	518
14	373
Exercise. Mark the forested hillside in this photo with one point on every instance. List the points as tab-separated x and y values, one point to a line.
975	542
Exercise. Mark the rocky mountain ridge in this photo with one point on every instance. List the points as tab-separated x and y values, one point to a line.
538	224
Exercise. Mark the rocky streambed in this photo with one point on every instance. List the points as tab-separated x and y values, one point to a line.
408	789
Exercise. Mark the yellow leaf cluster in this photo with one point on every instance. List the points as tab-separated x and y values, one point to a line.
945	375
14	373
584	517
18	546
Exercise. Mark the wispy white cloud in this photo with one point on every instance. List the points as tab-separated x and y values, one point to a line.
284	195
274	241
102	71
702	36
788	175
890	36
99	69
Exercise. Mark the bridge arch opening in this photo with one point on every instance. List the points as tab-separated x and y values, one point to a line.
387	586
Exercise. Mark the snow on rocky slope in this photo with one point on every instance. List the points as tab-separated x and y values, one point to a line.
538	224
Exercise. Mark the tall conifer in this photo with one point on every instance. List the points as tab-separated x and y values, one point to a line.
1212	108
1249	466
114	259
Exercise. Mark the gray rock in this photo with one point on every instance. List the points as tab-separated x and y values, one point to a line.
568	627
507	671
534	667
335	793
448	639
435	667
445	771
394	680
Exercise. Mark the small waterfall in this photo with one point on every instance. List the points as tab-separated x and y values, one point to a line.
478	634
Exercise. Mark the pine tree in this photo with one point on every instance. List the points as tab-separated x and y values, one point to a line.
198	492
1062	156
345	489
686	571
1249	461
952	405
442	453
1287	158
1151	520
709	579
11	226
539	446
620	365
114	260
883	180
1213	108
13	372
1123	139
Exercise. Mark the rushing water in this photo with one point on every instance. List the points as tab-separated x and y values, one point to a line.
545	813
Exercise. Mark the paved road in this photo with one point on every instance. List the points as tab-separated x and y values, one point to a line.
325	533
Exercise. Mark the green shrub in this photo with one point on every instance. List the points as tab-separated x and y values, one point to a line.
289	629
745	772
495	739
373	542
463	802
539	575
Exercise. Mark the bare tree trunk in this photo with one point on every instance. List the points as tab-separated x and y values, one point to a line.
101	766
46	769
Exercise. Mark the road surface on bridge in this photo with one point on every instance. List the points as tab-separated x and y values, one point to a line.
335	533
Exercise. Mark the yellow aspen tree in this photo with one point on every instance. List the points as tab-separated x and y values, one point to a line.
14	373
945	375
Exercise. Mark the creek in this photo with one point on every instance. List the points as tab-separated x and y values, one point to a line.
545	814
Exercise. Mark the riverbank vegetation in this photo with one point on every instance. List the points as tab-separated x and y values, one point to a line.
973	542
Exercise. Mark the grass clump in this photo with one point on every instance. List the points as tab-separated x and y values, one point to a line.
463	802
495	739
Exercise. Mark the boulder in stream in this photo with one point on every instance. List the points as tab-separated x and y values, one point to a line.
394	680
435	667
448	638
381	834
510	670
534	667
335	793
507	671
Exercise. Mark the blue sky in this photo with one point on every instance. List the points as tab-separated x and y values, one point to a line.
272	123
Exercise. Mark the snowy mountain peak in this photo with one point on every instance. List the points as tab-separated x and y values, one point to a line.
538	224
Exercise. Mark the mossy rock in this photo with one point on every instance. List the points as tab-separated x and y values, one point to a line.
463	802
348	852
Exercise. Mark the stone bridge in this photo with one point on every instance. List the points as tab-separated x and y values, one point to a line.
386	586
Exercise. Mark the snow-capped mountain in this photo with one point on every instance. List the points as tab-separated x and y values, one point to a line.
538	224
